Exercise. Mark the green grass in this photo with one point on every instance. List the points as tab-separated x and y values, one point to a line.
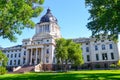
71	75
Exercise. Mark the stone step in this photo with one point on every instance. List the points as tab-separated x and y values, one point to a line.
25	69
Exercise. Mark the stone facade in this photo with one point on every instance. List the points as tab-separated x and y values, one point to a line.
99	51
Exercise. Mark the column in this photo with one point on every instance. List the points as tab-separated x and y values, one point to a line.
27	56
31	57
36	56
42	57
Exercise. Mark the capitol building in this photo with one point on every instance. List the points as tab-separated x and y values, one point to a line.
37	52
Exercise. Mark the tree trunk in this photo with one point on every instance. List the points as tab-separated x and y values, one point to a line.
62	66
66	64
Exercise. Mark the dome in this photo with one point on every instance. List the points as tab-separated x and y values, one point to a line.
48	17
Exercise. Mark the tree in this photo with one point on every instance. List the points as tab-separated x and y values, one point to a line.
61	51
104	17
75	53
15	15
68	51
3	59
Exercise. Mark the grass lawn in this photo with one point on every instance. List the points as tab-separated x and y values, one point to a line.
71	75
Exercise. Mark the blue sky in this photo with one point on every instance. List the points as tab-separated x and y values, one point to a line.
72	18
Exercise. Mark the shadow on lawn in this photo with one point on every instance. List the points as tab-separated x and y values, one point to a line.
64	76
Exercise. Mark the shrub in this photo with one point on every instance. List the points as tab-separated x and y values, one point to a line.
2	70
112	66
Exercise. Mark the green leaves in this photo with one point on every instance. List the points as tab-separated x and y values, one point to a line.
67	50
41	1
3	59
15	15
104	17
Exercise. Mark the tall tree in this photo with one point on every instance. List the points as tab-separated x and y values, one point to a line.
3	59
68	51
75	53
61	51
15	15
104	17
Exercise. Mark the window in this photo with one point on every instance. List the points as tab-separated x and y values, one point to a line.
24	52
86	43
96	47
10	62
24	60
19	62
87	49
38	42
8	55
47	59
110	46
97	57
38	60
47	51
112	56
88	57
103	47
53	59
40	29
11	55
14	62
104	56
46	28
19	55
15	55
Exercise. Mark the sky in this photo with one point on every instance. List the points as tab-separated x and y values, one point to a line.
72	16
